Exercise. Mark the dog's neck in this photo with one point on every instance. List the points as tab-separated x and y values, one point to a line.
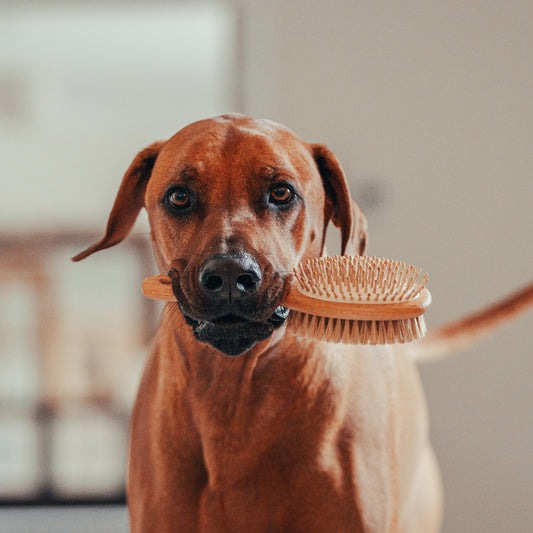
267	392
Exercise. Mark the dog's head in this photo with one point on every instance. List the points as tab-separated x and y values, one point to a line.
234	205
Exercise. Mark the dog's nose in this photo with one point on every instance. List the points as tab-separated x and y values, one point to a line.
230	276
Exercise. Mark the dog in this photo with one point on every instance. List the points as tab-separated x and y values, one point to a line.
239	426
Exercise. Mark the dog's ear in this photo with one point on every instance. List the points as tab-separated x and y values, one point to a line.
341	207
129	200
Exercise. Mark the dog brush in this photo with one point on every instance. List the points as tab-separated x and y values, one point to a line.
354	300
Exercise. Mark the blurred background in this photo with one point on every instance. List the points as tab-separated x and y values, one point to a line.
428	106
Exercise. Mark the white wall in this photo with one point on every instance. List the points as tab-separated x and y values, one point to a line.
429	105
84	86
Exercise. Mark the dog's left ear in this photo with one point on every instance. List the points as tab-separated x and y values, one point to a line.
341	207
129	200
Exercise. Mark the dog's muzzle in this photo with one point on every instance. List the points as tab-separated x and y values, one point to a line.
235	306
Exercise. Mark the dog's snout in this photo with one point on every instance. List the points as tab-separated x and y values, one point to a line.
230	276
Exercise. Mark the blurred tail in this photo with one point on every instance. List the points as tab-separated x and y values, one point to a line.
444	340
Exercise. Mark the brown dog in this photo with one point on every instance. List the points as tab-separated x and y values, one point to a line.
292	435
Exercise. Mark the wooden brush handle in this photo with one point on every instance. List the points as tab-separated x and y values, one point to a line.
160	288
297	301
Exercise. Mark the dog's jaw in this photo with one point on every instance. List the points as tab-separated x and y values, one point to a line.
235	337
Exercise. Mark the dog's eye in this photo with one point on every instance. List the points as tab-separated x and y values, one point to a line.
281	194
179	199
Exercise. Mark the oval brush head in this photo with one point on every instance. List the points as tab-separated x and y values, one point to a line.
355	300
358	300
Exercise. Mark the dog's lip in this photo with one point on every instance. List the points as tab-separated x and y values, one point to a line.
225	321
228	320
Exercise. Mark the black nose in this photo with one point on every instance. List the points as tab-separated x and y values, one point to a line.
230	277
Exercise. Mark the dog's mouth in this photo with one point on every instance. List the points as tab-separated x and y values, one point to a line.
232	325
229	320
234	334
275	320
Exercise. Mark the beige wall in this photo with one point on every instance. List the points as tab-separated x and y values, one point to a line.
432	103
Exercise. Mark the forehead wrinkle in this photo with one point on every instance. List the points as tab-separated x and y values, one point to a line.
185	173
190	180
257	151
197	158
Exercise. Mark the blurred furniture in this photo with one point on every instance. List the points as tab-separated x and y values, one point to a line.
72	341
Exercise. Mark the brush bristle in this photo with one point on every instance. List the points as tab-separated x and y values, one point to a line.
359	279
345	331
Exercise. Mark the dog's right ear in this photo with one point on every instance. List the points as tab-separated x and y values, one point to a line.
129	200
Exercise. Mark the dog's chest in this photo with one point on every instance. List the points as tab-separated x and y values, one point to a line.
290	436
245	424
